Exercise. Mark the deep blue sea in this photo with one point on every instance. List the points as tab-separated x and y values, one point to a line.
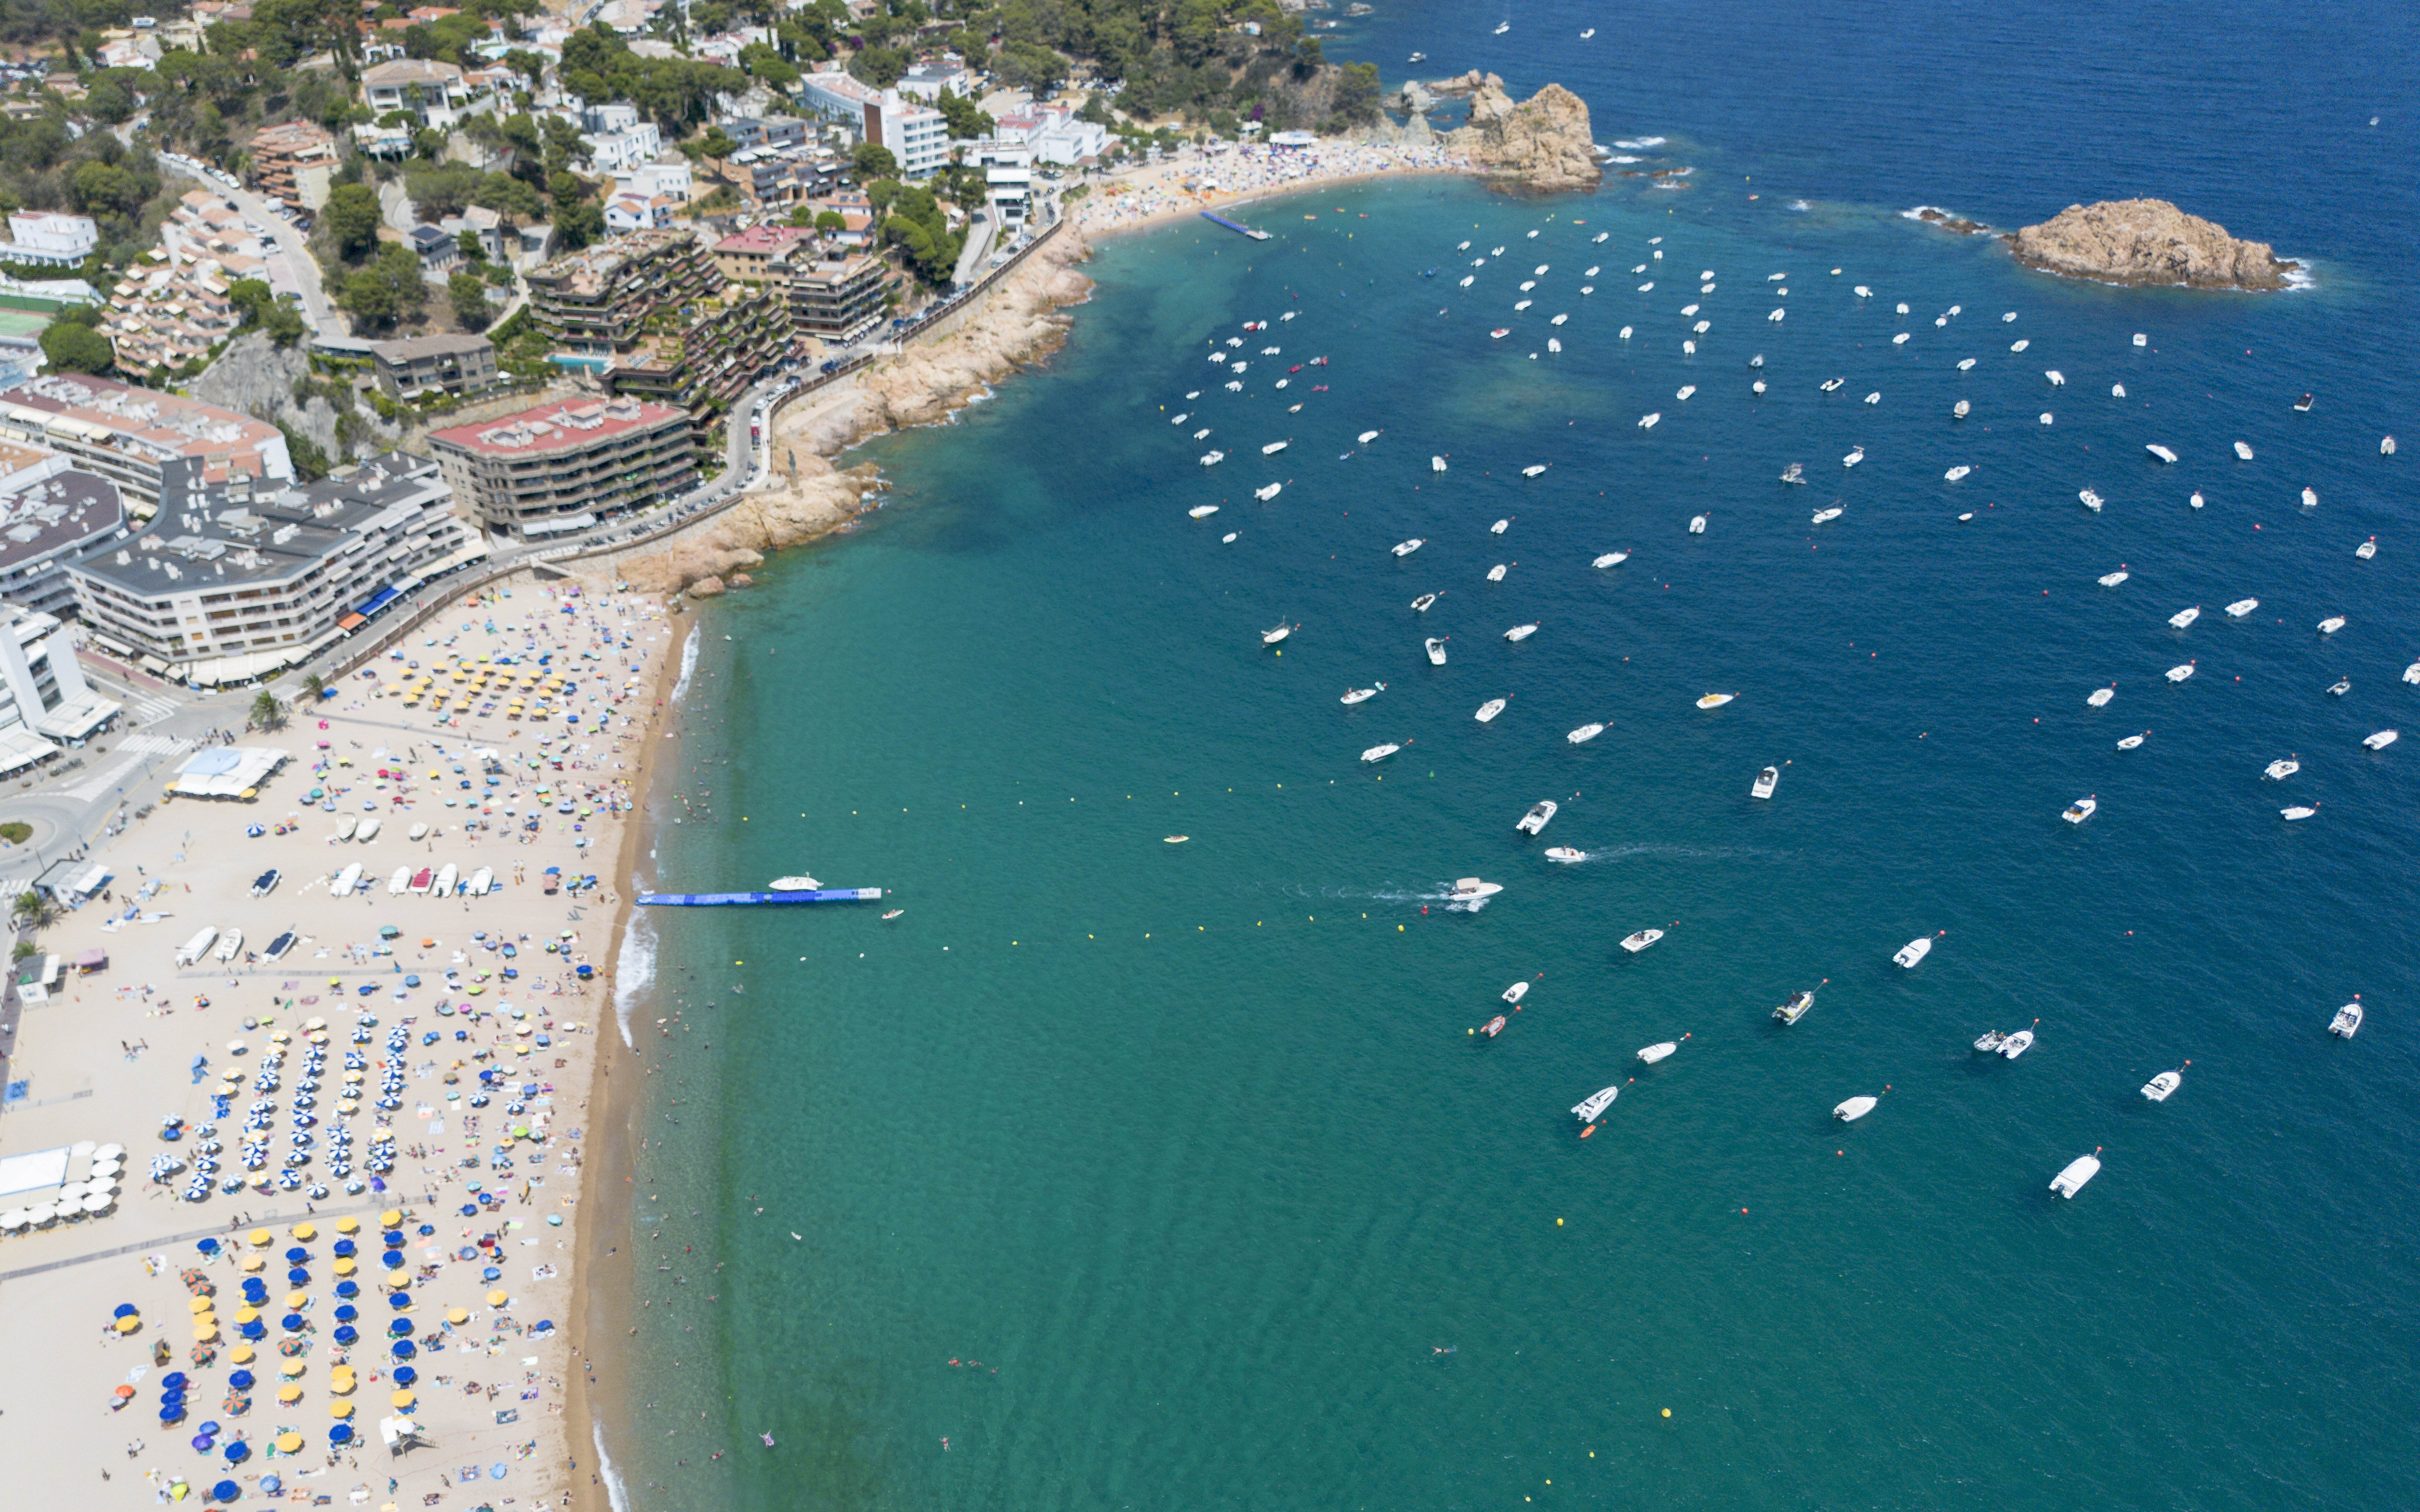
1121	1174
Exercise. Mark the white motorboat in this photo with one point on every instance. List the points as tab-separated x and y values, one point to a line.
397	885
1420	605
2178	675
2057	379
443	885
1960	409
1612	559
1502	26
2277	771
2310	498
1660	1050
1495	573
2243	450
1265	495
1794	472
1875	397
368	831
2046	417
1202	511
1757	387
1855	455
1716	701
2111	579
1436	464
1765	782
2366	550
2158	450
2412	674
1957	472
1826	516
1585	733
2332	625
1211	459
2195	500
1795	1009
482	882
2242	606
1697	525
2348	1020
2018	1043
1832	385
1404	549
2159	1089
1533	469
1274	448
1564	852
1647	422
1470	889
2142	340
346	826
2118	390
347	880
418	831
1863	292
1436	652
1516	992
802	882
1361	695
1379	753
1270	637
1499	526
1965	363
1989	1043
1520	633
2091	501
1366	437
2381	740
1913	951
2184	617
2132	741
1595	1104
1855	1108
1640	940
2101	696
2011	316
2340	686
2081	810
1685	390
2069	1181
2386	446
1489	710
2020	346
230	945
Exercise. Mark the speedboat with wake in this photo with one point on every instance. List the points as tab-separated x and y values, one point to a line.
1564	852
1535	820
1639	940
1472	890
1362	695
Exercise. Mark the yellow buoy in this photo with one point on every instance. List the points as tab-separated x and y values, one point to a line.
1667	1412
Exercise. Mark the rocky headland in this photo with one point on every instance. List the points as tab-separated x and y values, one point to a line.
1543	143
2147	242
808	495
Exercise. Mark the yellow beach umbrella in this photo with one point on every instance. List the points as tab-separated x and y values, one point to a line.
403	1398
457	1314
497	1298
206	1329
294	1301
343	1266
349	1225
259	1239
340	1411
289	1395
247	1314
252	1262
305	1232
289	1443
127	1325
199	1304
241	1354
390	1218
291	1368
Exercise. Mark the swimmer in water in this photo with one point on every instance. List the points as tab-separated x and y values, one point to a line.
1444	1349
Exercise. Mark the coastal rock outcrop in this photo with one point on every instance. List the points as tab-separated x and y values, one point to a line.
1541	143
2146	241
809	496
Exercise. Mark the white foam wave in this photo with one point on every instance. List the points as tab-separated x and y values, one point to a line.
634	970
689	665
614	1493
1621	158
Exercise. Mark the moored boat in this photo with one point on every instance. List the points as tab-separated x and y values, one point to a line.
1913	951
1536	819
1585	733
1765	782
1596	1103
2159	1089
1855	1108
1436	652
2070	1179
1640	939
2348	1020
1795	1007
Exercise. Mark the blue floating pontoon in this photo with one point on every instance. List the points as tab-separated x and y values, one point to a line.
718	899
1220	220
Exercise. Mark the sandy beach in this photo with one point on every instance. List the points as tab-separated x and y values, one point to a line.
445	1196
1192	182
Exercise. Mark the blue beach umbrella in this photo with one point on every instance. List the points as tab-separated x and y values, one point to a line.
348	1288
347	1334
226	1491
170	1414
297	1254
400	1328
124	1310
402	1349
207	1246
239	1380
392	1238
345	1249
173	1381
237	1451
341	1433
392	1260
347	1313
203	1442
404	1375
298	1276
292	1323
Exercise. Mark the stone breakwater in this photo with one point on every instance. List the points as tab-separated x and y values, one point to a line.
809	496
2147	242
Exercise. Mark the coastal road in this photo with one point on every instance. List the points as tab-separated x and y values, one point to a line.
287	245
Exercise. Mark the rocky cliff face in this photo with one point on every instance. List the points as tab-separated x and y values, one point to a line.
1541	143
2146	241
256	378
809	496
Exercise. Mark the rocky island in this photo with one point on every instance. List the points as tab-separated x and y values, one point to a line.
1542	143
2146	243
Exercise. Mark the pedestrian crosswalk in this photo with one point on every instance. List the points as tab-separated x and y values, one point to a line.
154	744
125	763
148	709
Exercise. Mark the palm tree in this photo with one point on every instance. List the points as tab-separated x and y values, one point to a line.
267	712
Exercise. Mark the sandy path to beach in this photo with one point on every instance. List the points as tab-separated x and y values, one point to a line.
114	1052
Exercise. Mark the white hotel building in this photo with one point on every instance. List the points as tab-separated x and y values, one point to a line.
915	134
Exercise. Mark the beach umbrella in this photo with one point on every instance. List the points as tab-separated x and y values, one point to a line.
258	1239
205	1328
393	1238
341	1433
298	1277
292	1367
404	1375
226	1491
289	1443
297	1254
402	1398
402	1349
400	1328
252	1262
198	1305
347	1312
248	1313
349	1225
340	1411
174	1380
305	1232
207	1246
127	1325
239	1380
170	1414
497	1299
124	1310
390	1218
347	1334
241	1354
253	1331
399	1298
289	1395
392	1260
292	1323
348	1288
457	1316
203	1442
343	1266
237	1451
294	1301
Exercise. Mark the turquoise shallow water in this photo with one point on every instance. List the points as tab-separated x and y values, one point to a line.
1190	1146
